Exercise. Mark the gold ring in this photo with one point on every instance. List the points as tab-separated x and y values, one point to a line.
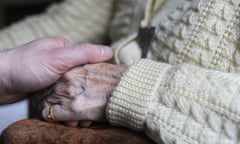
51	115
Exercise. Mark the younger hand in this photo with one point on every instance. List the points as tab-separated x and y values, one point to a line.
40	63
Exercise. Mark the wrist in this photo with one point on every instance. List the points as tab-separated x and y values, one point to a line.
122	69
134	97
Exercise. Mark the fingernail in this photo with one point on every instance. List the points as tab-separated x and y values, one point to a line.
106	51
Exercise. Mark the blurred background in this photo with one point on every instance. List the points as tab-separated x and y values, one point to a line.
14	10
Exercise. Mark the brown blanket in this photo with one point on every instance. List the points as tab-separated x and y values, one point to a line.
39	132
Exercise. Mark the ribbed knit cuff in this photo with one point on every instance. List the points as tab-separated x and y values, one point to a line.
132	98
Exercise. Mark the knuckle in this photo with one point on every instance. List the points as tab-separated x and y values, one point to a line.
85	49
73	74
76	109
86	45
90	50
41	43
54	42
61	41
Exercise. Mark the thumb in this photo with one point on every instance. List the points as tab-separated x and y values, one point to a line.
90	53
72	56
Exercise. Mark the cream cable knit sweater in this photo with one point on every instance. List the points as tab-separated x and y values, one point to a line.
178	104
173	103
183	102
76	20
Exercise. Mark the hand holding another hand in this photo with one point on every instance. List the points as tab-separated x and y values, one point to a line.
41	63
80	95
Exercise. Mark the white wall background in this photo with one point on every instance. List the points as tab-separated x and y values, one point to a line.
12	113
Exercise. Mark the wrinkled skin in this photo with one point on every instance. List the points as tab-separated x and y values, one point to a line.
81	94
41	63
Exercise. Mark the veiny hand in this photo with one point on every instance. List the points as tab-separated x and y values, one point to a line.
81	94
40	63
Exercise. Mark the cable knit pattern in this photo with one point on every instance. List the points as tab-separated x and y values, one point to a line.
185	102
201	32
77	20
178	104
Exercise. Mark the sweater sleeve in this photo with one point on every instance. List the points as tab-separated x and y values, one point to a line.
77	20
178	104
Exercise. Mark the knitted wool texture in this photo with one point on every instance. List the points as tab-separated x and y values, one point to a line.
171	103
180	102
201	32
77	20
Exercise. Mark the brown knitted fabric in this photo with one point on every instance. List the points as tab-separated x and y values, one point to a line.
39	132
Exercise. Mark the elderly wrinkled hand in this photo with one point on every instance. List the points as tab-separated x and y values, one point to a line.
80	95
